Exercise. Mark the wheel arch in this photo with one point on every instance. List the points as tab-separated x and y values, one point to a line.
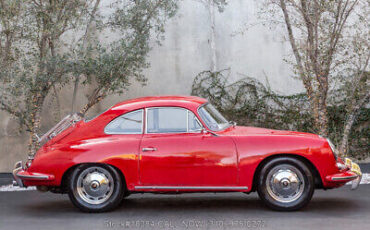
307	162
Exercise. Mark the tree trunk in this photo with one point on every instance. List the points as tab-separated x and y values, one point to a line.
212	40
346	131
349	123
33	144
74	96
90	28
94	98
35	122
57	112
323	120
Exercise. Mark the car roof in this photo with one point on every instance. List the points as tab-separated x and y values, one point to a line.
189	102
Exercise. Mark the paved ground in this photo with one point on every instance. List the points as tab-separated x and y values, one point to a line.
5	178
365	167
332	209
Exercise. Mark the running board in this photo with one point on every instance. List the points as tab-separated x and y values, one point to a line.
222	188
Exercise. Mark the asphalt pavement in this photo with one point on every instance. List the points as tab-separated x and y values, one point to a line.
6	178
331	209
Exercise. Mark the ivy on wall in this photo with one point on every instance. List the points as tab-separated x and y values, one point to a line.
251	103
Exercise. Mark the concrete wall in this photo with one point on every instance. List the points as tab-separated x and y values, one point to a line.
185	52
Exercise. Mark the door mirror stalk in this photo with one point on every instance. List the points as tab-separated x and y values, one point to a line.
205	131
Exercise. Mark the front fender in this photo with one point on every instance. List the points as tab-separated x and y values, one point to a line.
253	150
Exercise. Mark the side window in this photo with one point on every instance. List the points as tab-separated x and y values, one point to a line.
129	123
171	120
167	120
193	123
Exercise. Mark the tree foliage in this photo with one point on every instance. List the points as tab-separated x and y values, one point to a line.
329	43
113	65
45	45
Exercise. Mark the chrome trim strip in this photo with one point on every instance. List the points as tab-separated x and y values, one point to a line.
193	187
17	167
356	182
345	178
148	149
39	177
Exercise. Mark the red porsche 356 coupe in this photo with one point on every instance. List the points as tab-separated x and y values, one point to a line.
174	144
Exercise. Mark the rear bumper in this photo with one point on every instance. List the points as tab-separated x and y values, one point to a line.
21	175
353	174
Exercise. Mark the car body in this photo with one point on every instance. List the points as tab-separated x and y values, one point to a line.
153	149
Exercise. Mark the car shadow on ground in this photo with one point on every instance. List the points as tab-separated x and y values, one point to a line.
139	205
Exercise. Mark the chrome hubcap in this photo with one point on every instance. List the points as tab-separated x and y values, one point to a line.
285	183
95	185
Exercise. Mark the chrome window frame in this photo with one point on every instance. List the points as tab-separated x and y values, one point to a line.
126	133
174	107
187	122
201	106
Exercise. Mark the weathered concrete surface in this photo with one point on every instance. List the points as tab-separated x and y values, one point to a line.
332	209
185	52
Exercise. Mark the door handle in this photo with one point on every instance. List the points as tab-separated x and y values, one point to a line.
149	149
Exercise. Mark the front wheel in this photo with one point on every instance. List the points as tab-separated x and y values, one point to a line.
285	184
95	188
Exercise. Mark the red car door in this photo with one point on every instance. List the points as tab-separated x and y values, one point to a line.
174	152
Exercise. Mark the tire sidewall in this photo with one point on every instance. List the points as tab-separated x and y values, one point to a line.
291	206
112	202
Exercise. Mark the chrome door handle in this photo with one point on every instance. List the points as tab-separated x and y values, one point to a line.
149	149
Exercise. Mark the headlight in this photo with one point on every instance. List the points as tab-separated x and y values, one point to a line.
341	166
333	149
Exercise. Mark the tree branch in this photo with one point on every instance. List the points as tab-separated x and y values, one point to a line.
306	79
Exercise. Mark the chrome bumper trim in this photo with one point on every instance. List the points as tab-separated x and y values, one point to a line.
192	187
38	177
356	182
345	178
17	168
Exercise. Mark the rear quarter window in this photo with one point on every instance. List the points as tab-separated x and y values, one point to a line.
128	123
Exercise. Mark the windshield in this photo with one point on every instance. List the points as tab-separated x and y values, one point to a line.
213	119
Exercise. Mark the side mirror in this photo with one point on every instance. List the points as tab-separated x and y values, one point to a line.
233	123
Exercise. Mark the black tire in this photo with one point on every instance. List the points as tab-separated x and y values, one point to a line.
125	195
298	199
111	202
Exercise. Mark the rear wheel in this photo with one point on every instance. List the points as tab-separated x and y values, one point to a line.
285	184
95	188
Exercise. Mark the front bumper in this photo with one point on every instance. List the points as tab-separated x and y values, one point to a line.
353	173
21	175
